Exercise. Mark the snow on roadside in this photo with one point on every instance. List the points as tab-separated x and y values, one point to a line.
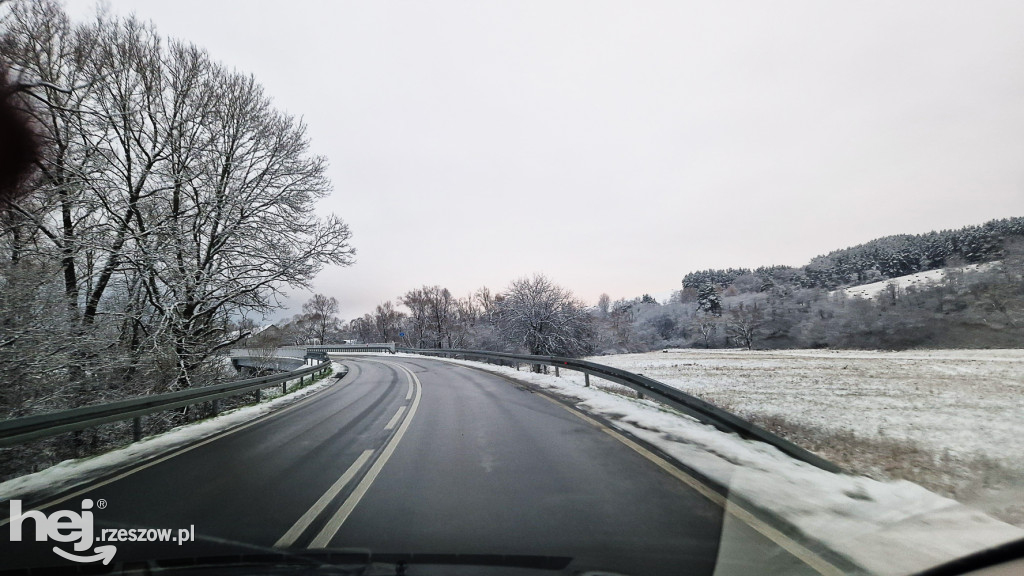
889	528
961	402
68	473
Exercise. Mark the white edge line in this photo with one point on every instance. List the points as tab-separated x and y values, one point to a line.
302	523
334	524
795	548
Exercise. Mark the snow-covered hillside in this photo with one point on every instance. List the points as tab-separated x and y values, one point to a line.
917	280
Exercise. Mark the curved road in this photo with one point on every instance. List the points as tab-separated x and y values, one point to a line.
409	455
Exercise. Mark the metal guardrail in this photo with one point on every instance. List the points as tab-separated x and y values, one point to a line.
313	350
690	405
289	352
18	430
275	364
373	347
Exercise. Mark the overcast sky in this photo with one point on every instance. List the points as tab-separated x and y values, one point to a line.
615	146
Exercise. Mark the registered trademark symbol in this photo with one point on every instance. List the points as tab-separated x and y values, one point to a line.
101	503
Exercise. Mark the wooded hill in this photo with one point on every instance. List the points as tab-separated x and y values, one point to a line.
880	259
805	307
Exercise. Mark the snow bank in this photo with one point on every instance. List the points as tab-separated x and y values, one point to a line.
887	528
69	473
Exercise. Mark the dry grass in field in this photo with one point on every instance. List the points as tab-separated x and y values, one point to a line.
949	420
978	480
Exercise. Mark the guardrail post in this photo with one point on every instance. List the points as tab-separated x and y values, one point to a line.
586	379
284	387
216	407
556	370
137	428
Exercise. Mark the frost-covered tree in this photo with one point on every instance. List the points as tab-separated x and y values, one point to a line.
170	197
543	318
708	299
603	305
744	324
387	322
706	325
432	315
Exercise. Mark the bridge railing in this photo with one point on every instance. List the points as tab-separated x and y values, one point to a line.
19	430
311	350
341	348
690	405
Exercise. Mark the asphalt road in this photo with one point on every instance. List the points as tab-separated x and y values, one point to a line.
422	456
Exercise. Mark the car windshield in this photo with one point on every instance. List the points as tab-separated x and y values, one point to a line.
567	287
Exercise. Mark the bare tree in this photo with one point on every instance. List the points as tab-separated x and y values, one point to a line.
544	318
364	328
301	330
622	320
387	322
706	325
441	308
603	305
321	312
432	314
170	197
464	322
744	324
484	301
418	323
262	347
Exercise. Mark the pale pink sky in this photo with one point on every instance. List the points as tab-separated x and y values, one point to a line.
616	146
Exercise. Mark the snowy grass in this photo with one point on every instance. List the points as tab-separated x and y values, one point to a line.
966	402
950	420
886	527
70	473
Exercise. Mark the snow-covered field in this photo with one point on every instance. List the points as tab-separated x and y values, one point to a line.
886	527
950	420
965	403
